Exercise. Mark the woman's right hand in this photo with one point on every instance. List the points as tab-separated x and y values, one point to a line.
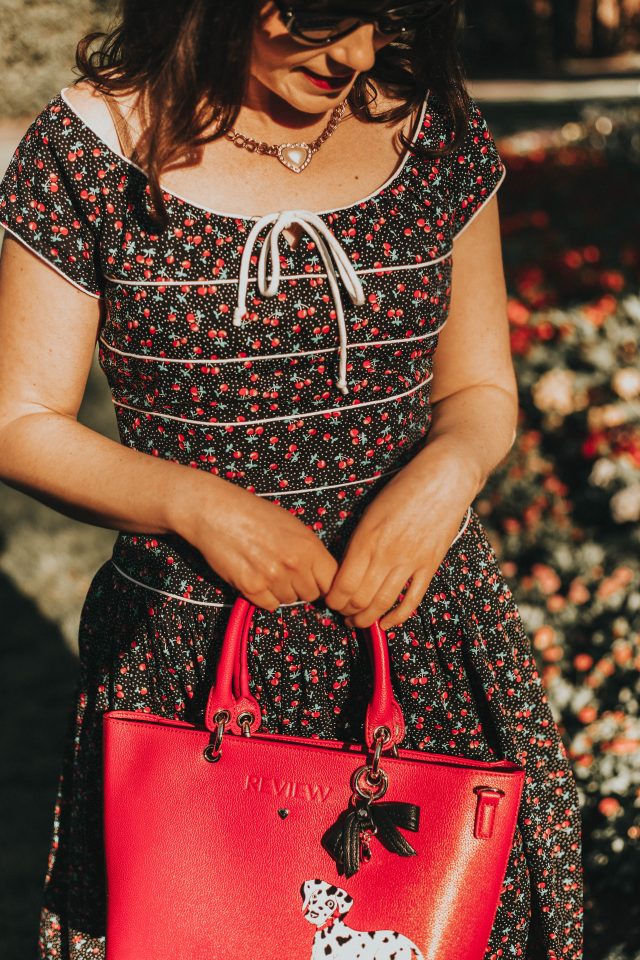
261	549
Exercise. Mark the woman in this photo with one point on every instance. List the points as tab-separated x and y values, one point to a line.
300	441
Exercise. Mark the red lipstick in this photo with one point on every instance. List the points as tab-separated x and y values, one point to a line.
327	82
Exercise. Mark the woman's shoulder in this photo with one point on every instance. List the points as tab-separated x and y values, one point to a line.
86	100
50	196
90	106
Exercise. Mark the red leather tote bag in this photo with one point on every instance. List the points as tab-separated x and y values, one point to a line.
225	843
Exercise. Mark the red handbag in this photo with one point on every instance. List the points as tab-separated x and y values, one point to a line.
224	843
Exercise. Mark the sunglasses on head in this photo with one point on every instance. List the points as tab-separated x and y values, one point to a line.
317	29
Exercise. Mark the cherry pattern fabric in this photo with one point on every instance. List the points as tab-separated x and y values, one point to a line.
256	402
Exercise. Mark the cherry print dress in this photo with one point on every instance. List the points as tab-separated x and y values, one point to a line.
302	374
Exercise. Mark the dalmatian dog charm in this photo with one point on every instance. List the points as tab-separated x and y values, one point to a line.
325	906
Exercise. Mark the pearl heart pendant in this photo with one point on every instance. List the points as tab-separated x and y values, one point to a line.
295	156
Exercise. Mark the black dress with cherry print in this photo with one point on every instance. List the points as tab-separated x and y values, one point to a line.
302	374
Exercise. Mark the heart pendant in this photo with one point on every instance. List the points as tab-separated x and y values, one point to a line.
295	156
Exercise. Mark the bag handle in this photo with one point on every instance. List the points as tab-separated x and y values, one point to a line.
231	693
226	694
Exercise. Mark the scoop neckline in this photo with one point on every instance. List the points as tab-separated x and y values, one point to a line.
239	216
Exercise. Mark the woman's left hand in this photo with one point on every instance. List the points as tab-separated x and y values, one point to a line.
403	535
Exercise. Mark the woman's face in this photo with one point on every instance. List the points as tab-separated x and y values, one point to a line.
295	72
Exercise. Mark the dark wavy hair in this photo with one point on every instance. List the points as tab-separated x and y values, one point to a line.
191	58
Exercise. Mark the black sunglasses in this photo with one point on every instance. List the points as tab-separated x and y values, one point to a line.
319	29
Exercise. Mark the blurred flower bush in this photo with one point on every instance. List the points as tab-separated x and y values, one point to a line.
563	511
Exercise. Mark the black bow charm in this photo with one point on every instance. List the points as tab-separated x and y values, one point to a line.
348	839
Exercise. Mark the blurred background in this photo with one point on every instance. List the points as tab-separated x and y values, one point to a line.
559	84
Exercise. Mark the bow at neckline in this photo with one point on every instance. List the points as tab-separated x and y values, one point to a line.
334	257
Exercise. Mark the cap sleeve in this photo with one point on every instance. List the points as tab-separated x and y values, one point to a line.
46	203
476	172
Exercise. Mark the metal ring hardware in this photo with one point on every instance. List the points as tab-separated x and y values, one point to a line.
213	751
245	720
374	790
381	735
209	754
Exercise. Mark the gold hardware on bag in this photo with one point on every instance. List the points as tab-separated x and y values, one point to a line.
245	720
380	736
394	749
213	751
375	788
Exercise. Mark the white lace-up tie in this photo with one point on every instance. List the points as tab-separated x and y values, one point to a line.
326	244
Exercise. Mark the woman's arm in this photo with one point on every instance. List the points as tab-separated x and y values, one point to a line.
474	392
48	331
407	529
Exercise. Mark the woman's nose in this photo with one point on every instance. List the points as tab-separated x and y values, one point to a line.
356	50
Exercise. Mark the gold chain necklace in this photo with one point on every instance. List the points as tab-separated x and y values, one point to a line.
294	156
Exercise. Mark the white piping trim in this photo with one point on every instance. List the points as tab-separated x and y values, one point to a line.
238	216
463	528
485	200
209	362
214	282
174	596
289	416
96	296
329	486
209	603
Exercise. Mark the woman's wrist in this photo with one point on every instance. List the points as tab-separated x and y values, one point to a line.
460	443
448	458
191	495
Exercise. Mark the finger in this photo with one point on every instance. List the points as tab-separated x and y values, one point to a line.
270	586
305	595
307	587
298	583
351	573
375	590
324	571
263	598
386	595
308	581
284	586
409	603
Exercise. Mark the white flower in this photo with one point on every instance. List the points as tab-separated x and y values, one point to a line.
625	504
626	382
607	416
602	472
632	307
554	392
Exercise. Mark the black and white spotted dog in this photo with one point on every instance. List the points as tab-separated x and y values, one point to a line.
325	906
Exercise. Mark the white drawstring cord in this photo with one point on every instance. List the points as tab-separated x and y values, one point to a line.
326	244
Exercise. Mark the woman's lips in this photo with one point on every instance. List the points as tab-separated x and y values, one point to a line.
327	82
